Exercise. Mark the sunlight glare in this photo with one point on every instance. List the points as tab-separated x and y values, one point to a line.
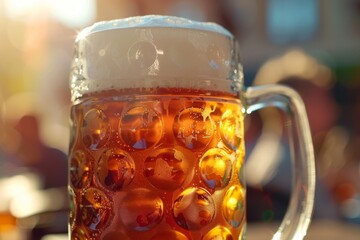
71	13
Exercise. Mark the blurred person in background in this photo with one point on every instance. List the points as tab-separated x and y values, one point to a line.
269	154
34	156
35	172
49	163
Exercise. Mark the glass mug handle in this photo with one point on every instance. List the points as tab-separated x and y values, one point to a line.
298	216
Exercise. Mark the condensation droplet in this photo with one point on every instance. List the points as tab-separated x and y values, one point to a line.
115	169
192	129
218	233
168	168
193	209
141	127
216	168
234	205
141	209
95	209
231	129
80	169
95	129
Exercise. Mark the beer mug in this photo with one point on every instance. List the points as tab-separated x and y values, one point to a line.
157	134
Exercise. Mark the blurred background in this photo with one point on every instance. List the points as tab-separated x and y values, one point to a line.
312	46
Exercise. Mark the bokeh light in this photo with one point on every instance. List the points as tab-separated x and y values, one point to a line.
74	14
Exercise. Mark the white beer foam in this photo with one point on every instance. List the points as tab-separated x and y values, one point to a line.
154	51
154	21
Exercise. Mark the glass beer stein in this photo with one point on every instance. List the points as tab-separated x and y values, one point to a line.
157	134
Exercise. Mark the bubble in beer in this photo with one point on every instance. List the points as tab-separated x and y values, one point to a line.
218	233
80	169
115	169
193	129
95	209
168	168
141	209
169	235
230	129
193	209
233	207
79	234
141	127
95	129
216	168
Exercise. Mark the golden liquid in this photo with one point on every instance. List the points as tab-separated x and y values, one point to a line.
165	165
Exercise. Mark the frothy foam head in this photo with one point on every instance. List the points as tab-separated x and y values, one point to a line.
154	51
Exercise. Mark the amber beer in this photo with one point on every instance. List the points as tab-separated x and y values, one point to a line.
165	164
157	145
